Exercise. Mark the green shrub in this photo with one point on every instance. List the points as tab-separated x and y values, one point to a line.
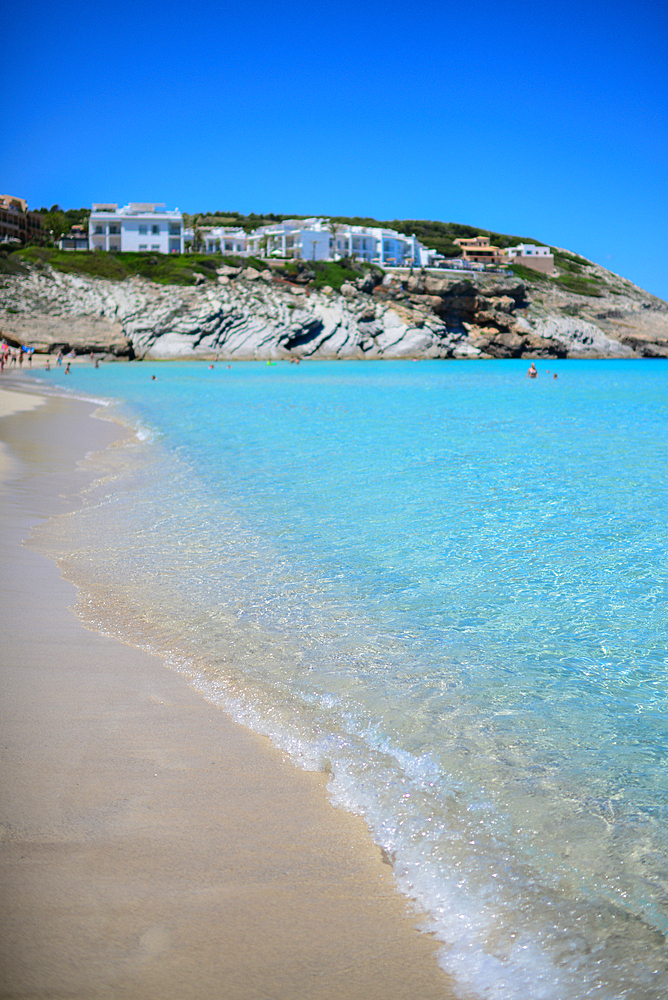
527	273
577	285
333	273
10	264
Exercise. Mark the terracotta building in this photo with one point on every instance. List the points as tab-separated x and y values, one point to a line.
479	250
16	222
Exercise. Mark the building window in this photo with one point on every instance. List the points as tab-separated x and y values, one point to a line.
174	229
229	246
99	230
143	246
143	230
155	230
155	246
114	230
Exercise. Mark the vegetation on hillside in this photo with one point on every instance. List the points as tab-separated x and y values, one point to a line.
162	268
581	285
184	269
56	221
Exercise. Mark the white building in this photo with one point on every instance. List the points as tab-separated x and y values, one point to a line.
528	255
136	228
319	239
226	241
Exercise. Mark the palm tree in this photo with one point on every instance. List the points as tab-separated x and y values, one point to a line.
334	228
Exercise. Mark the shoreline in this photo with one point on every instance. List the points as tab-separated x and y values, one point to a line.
151	846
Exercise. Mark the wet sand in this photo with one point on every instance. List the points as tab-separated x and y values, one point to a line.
150	847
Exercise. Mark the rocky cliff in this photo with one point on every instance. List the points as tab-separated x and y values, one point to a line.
247	314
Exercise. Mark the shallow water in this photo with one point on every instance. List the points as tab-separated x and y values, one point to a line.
445	584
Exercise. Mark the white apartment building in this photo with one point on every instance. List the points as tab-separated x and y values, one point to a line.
319	239
136	228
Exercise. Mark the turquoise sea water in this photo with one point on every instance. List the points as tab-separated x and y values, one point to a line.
445	584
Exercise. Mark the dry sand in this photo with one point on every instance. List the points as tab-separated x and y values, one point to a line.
150	846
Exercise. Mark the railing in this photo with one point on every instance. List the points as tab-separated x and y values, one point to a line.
467	265
462	266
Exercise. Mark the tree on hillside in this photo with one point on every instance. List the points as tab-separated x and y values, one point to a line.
198	239
55	223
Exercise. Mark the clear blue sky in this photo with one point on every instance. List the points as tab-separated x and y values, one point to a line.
542	120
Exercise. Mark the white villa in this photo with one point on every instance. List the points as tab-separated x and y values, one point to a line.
218	239
320	239
136	227
529	255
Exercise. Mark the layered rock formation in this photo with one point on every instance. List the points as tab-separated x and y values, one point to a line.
248	314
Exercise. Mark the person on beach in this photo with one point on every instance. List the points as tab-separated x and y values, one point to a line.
48	365
60	357
21	358
533	371
67	368
97	363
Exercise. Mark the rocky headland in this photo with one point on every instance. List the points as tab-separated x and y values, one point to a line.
243	313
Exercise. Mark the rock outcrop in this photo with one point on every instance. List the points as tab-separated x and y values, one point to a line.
251	314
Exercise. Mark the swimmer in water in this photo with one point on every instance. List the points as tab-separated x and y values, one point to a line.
533	371
67	368
153	378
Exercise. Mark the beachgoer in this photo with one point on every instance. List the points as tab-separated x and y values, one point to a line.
533	371
20	357
67	368
48	366
153	378
210	366
97	362
60	357
555	375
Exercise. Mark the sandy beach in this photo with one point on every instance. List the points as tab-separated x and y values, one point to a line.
150	846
